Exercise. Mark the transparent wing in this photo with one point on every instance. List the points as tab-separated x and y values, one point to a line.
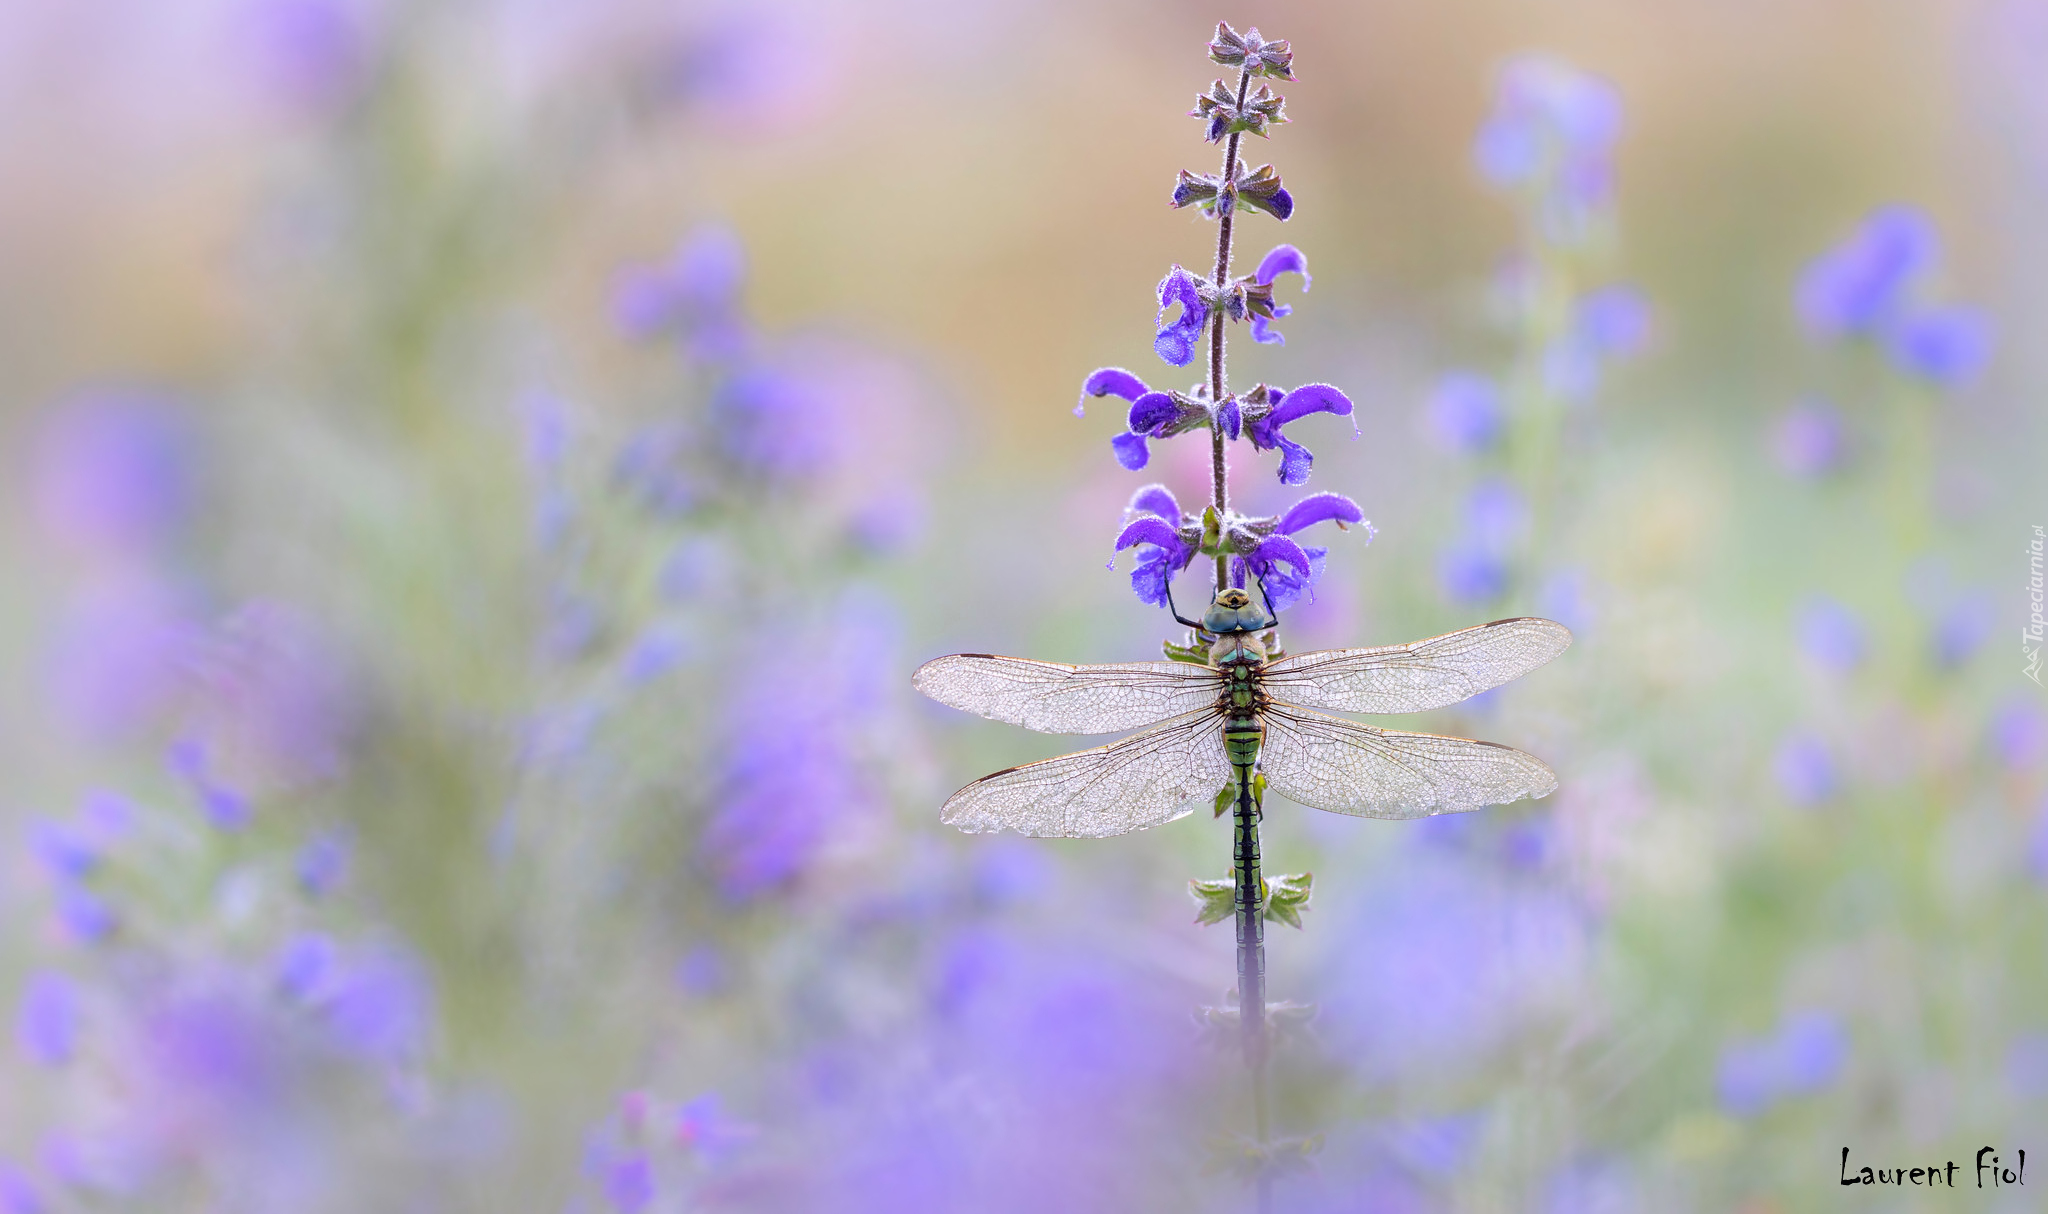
1418	676
1141	781
1348	768
1052	698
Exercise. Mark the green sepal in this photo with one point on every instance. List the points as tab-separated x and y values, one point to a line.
1214	900
1197	655
1287	896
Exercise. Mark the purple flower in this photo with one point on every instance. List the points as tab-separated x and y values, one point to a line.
1465	413
695	293
225	808
1153	415
775	424
1161	554
1287	569
1109	381
1831	635
1946	346
629	1183
1264	429
1858	286
1607	324
1471	573
312	52
380	1006
322	863
1805	1056
703	1126
792	775
63	848
1552	132
2019	734
1284	259
46	1027
1176	342
85	915
112	471
18	1194
1804	769
1962	628
305	966
1807	439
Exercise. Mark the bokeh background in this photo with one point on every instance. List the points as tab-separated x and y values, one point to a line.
479	475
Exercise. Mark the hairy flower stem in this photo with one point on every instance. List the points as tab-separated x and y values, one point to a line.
1219	475
1251	923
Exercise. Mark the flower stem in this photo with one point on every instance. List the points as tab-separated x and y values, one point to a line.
1219	475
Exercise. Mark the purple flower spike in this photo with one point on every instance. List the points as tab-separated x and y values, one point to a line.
1175	343
1168	555
1295	459
1319	508
1109	381
1151	411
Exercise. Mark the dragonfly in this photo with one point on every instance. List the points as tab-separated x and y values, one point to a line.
1240	719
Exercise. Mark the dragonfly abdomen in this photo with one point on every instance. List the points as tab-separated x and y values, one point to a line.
1242	737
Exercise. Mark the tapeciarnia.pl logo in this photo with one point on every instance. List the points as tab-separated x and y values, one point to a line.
2030	636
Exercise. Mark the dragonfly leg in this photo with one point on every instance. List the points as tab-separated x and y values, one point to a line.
1272	616
1178	617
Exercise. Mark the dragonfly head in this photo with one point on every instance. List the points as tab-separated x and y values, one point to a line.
1233	612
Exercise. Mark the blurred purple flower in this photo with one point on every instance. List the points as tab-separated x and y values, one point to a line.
1442	957
2019	734
1805	1056
46	1026
111	472
1830	634
322	863
1470	573
1289	407
120	658
18	1194
1804	770
629	1183
62	848
792	774
1496	514
1176	341
693	295
1566	596
1465	413
1962	628
1552	131
225	808
779	425
84	914
702	971
703	1126
1860	285
1807	439
305	966
1284	259
1607	324
380	1006
279	703
310	52
1947	346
